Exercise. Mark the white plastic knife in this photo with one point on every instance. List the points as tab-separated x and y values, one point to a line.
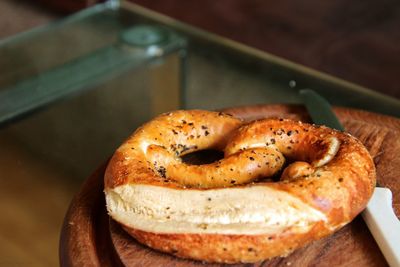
378	215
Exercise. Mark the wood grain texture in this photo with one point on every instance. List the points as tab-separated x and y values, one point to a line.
90	238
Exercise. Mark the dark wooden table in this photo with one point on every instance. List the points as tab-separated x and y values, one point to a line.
358	41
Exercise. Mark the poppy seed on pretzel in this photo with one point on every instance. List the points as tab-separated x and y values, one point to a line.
222	211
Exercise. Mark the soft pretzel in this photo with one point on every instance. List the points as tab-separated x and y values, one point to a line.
227	211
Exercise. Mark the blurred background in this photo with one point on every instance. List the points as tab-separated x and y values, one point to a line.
357	41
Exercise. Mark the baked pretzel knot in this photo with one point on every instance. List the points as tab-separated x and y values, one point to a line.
229	210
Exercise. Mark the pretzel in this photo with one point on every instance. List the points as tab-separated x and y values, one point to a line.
230	210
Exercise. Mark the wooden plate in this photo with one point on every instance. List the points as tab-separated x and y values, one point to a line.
90	238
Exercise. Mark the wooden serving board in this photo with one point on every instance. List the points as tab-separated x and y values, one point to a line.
90	238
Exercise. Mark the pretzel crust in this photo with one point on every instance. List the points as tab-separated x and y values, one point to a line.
215	220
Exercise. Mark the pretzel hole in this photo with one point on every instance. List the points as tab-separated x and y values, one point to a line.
201	157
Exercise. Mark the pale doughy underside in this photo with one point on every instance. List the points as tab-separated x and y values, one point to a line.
251	210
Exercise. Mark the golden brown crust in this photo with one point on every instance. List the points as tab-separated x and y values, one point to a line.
229	248
179	132
339	183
